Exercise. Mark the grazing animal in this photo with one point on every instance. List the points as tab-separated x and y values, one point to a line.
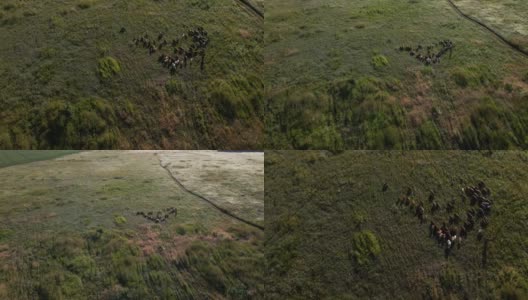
432	228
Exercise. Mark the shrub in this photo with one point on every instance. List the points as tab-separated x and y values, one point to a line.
365	247
475	75
82	265
181	230
229	101
84	4
379	61
119	220
90	123
108	67
428	137
9	6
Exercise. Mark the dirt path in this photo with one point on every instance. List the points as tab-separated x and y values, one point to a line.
501	37
252	7
221	209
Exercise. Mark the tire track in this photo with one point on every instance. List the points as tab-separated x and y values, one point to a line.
500	36
252	7
221	209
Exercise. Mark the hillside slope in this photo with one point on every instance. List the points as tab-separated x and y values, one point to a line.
342	75
335	228
88	74
114	225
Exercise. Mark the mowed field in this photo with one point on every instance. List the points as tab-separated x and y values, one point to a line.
235	179
72	76
335	229
16	157
70	229
336	77
506	16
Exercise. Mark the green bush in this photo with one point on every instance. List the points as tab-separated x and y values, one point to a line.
379	61
83	266
85	4
494	126
428	137
108	67
230	98
87	124
365	247
476	75
120	220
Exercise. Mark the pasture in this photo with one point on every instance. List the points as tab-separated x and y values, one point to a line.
71	228
73	77
336	228
336	78
16	157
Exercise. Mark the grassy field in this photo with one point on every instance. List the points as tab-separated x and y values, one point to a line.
506	16
335	78
71	79
69	230
334	232
16	157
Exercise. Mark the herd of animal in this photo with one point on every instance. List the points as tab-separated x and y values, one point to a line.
183	49
456	227
428	55
160	216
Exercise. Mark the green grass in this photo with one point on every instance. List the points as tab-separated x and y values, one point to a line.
69	230
12	157
63	53
366	94
332	232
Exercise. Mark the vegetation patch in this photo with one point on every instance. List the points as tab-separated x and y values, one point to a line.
365	247
120	220
379	61
108	67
